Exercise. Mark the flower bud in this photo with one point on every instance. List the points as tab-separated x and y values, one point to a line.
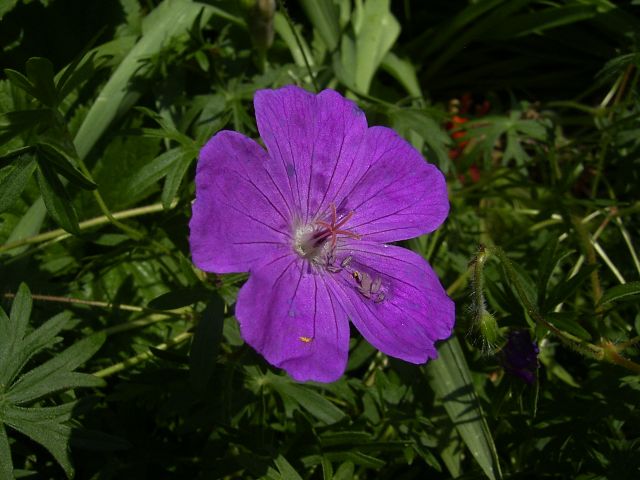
488	328
261	23
520	356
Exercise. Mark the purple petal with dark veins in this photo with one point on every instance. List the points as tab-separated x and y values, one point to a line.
394	299
322	144
289	314
316	141
399	196
239	214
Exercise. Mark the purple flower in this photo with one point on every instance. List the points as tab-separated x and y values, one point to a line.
310	219
520	355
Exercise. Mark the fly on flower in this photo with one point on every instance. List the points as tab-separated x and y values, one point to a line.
310	219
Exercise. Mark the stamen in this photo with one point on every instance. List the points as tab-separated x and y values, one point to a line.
333	229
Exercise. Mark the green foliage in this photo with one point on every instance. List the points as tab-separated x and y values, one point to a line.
21	393
529	107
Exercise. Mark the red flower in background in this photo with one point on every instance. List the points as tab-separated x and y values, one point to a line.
460	111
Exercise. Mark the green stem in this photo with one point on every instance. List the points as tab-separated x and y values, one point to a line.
299	43
612	356
135	360
60	234
460	281
629	343
132	232
106	305
590	254
574	342
606	351
477	265
139	323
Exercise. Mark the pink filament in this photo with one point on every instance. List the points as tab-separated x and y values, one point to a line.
333	228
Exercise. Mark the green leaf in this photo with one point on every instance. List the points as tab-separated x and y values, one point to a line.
567	287
12	185
8	157
64	164
404	72
377	33
286	470
59	413
167	128
6	464
155	170
5	7
33	343
20	81
358	458
20	312
28	225
568	322
16	122
537	22
51	435
311	401
345	471
40	73
332	439
407	120
12	329
450	378
325	18
181	297
165	22
297	46
620	292
80	70
54	370
57	199
174	179
24	392
327	469
7	347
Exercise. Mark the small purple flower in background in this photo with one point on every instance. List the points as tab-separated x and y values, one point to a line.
309	218
520	356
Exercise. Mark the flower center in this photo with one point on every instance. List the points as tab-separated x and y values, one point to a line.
320	237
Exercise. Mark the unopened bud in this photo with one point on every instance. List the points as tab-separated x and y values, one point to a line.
520	356
489	329
486	327
261	23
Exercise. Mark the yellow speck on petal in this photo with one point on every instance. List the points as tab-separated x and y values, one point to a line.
306	339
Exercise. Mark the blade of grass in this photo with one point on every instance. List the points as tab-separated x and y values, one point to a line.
450	378
165	22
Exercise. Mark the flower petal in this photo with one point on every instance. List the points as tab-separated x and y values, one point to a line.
239	214
394	299
290	315
322	146
316	143
399	196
